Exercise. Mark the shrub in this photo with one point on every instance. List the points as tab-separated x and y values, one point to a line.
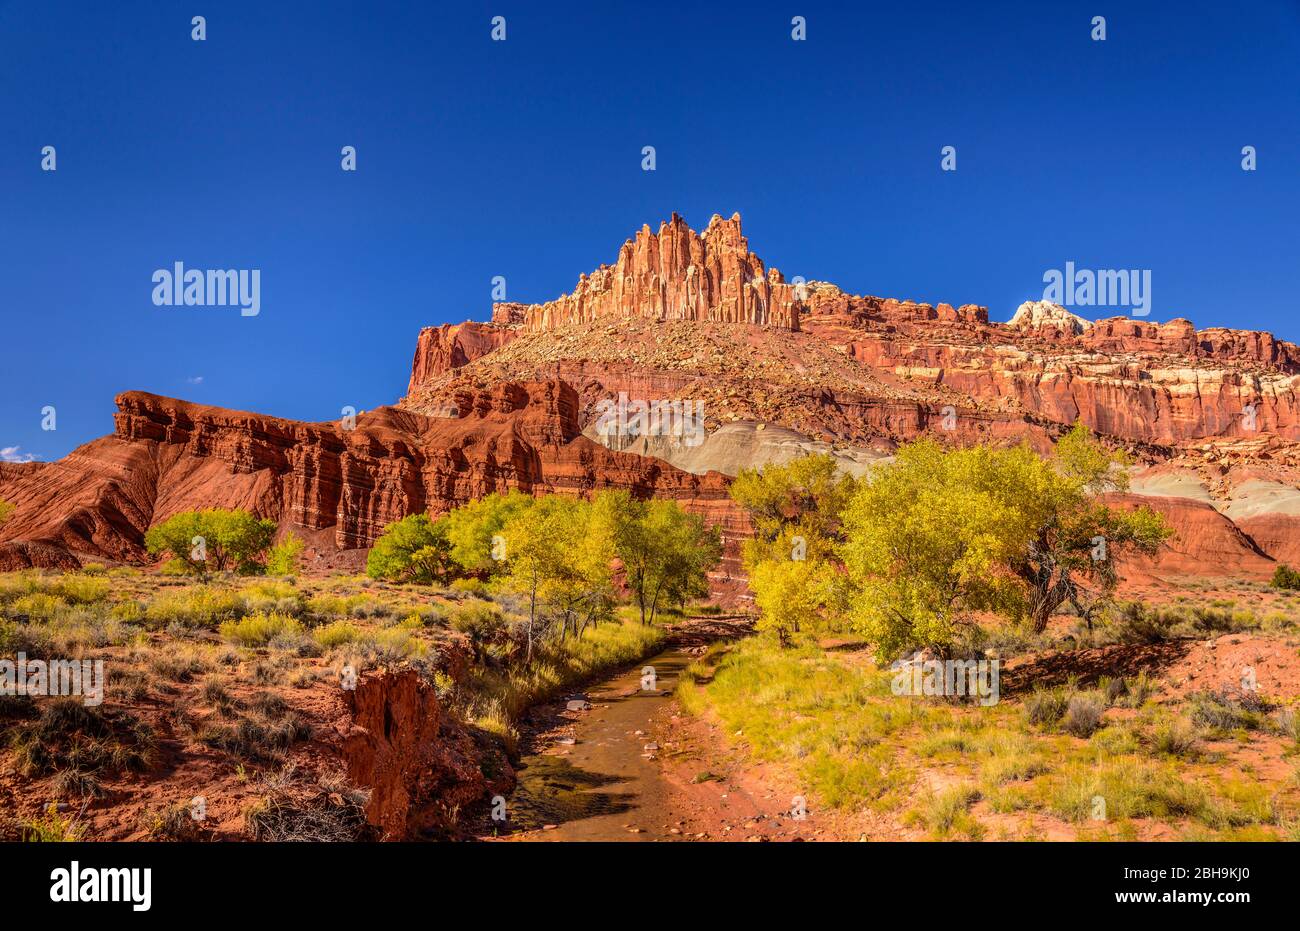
82	589
329	812
200	606
130	611
482	622
1045	707
177	667
1285	577
1288	723
1175	738
392	646
1132	622
1083	713
40	606
256	741
53	827
24	638
70	735
1221	712
470	586
76	783
369	608
173	823
255	630
1138	690
282	559
335	635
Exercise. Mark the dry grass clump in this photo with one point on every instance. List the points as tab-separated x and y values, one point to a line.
172	823
71	736
262	735
328	811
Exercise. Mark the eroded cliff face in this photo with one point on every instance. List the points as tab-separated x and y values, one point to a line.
342	485
440	349
1137	381
692	317
865	374
422	767
674	274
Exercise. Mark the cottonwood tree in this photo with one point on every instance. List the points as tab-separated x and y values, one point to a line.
538	559
942	535
666	552
797	510
801	500
1076	535
215	539
413	549
472	529
793	596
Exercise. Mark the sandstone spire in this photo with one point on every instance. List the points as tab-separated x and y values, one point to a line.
674	274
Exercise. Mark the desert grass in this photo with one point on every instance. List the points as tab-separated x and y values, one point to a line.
1105	763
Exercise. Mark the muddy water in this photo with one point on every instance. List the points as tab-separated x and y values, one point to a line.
604	786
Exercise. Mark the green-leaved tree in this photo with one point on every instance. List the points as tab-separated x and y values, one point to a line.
413	549
942	535
215	539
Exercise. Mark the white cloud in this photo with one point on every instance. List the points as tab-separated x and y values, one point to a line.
195	379
12	454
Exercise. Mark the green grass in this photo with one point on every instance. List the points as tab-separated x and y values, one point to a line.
257	630
496	698
854	744
336	634
830	720
196	606
948	812
1123	789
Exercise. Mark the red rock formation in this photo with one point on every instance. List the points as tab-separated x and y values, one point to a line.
679	315
1204	542
168	456
418	763
438	350
675	274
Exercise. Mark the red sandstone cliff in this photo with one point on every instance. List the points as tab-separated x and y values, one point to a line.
874	372
698	316
674	274
168	455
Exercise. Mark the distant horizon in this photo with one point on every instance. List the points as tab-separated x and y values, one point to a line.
524	160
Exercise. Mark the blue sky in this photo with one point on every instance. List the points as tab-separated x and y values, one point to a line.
523	158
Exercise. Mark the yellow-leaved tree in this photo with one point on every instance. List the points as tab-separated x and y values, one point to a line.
942	535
